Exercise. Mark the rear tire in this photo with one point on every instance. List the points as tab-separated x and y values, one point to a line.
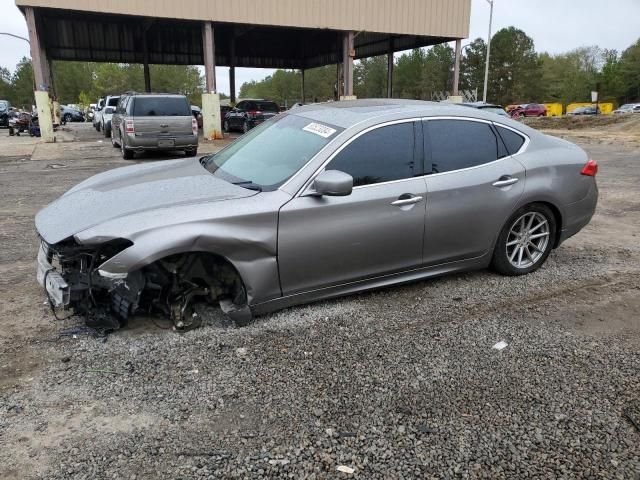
114	144
126	153
107	131
192	152
225	126
526	240
245	127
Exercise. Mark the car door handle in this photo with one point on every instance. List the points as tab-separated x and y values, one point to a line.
505	181
406	201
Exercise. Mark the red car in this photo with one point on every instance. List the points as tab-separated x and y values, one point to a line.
528	110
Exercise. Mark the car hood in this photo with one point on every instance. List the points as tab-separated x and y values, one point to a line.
129	190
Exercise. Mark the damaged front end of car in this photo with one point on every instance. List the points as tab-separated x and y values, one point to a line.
73	281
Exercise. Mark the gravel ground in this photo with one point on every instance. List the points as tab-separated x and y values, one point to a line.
398	383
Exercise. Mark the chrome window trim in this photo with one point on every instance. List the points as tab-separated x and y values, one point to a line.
305	186
526	137
320	169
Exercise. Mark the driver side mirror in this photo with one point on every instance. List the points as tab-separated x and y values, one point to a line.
333	183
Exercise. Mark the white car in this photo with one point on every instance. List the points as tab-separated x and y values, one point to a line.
97	114
628	108
110	104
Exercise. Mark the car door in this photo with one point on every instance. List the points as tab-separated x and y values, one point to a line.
377	229
473	187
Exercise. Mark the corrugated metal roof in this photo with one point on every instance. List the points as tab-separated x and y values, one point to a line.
114	38
437	18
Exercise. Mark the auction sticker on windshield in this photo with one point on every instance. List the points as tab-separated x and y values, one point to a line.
319	129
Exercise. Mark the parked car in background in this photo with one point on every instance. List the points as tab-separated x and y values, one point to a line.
97	114
249	113
528	110
584	111
70	114
19	122
196	111
324	200
486	107
5	109
628	108
154	122
89	113
107	115
104	125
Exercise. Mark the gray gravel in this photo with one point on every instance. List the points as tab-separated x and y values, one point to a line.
398	383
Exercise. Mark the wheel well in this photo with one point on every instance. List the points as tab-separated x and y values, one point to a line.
557	217
211	269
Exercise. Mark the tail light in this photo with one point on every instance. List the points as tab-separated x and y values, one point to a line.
128	126
254	113
194	126
590	168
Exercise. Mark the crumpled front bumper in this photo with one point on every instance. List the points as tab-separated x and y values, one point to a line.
49	278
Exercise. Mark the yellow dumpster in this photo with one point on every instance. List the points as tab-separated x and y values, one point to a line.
553	109
605	108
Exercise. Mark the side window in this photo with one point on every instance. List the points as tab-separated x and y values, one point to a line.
457	144
381	155
512	140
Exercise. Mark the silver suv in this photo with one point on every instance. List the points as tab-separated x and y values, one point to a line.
154	122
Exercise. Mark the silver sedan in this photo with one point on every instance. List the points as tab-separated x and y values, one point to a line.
322	201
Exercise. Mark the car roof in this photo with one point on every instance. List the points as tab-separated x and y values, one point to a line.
348	113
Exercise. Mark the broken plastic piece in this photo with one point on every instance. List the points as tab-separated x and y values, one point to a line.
500	345
345	469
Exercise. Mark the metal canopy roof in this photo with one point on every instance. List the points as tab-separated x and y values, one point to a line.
73	35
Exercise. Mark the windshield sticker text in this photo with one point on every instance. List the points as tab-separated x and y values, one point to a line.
319	129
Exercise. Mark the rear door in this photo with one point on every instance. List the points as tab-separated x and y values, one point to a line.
473	187
163	117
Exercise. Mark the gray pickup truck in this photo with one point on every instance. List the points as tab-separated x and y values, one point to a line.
154	122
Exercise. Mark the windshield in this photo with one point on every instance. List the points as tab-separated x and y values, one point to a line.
268	155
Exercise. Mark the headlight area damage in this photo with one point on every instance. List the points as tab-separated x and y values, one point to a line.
73	281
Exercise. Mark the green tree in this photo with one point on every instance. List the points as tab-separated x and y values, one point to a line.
370	77
22	85
515	71
472	66
408	73
71	78
437	71
5	83
630	73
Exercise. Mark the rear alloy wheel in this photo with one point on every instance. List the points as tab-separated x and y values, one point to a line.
245	127
225	126
525	241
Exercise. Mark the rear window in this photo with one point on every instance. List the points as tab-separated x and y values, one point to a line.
161	107
512	140
267	106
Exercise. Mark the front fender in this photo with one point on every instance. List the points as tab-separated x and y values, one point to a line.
252	252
